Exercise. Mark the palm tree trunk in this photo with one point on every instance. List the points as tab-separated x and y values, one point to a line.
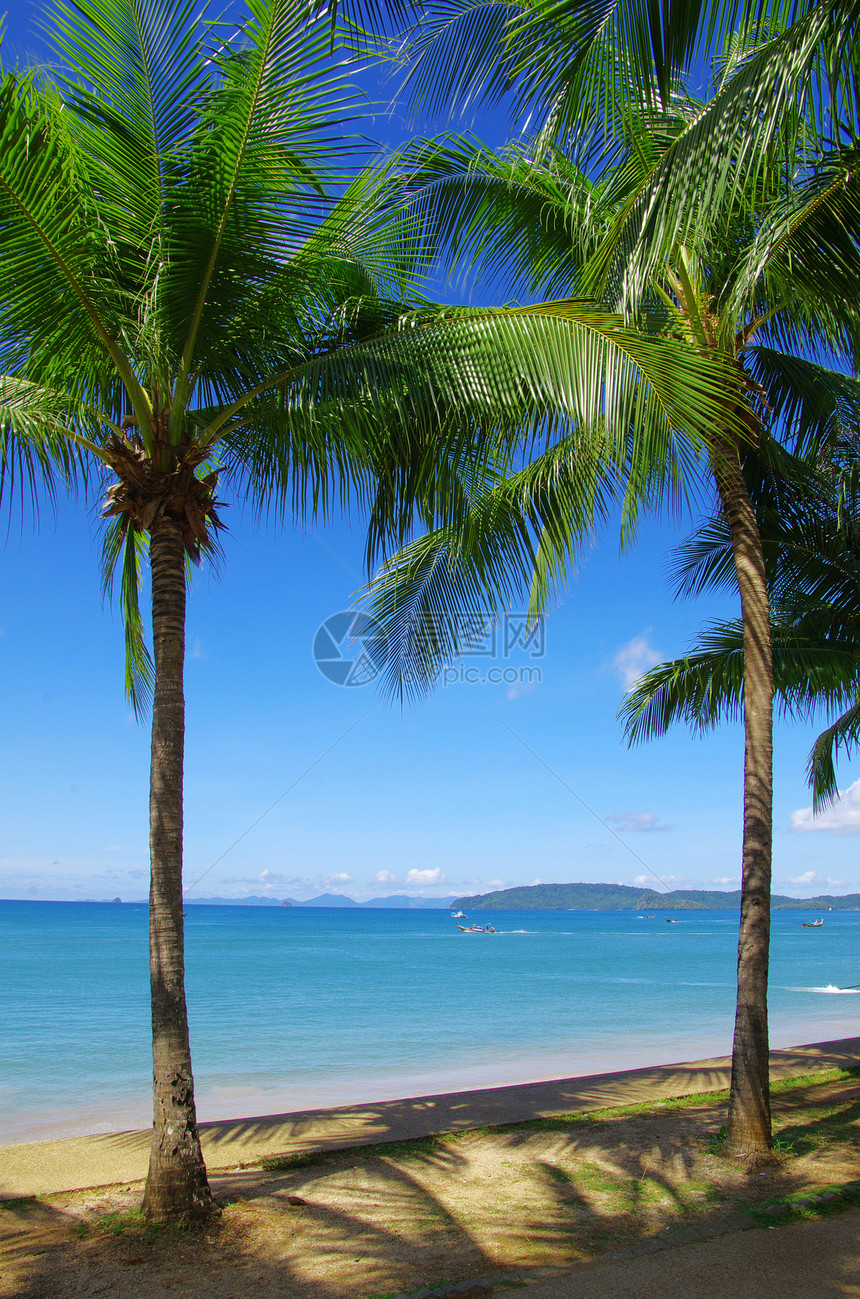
749	1129
176	1187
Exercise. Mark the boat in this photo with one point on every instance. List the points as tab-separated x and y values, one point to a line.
811	924
476	929
673	921
459	915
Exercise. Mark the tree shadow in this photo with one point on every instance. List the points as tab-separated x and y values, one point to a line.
380	1218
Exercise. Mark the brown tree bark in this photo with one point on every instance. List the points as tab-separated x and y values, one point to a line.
749	1126
176	1186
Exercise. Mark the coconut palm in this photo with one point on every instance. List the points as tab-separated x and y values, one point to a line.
756	269
187	312
168	248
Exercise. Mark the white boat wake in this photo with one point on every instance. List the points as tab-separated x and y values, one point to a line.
831	990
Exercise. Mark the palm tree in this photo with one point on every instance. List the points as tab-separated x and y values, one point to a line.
168	251
186	306
755	269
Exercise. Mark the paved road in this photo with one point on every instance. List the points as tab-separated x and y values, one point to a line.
806	1260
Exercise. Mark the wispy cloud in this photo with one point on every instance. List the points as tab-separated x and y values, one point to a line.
636	821
385	877
634	658
843	818
649	881
728	879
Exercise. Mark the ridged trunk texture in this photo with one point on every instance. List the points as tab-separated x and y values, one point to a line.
176	1186
749	1129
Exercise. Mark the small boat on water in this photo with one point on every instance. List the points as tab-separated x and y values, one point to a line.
673	921
459	915
476	929
811	924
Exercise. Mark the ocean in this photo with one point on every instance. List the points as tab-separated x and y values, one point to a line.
292	1008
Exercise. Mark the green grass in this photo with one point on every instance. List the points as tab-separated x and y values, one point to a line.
121	1221
18	1202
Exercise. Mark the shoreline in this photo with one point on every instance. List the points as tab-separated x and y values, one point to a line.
230	1100
77	1163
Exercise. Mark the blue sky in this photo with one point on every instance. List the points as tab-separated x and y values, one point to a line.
442	798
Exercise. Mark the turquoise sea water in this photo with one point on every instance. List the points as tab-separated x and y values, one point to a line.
293	1007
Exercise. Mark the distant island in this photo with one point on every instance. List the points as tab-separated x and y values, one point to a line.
399	901
622	897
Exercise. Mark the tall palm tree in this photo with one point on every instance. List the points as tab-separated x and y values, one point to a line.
188	311
757	264
168	250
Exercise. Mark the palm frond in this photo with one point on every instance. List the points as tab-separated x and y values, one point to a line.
706	686
724	153
126	545
844	734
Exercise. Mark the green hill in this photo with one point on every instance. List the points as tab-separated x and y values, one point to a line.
622	897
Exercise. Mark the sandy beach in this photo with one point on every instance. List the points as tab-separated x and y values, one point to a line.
75	1163
597	1186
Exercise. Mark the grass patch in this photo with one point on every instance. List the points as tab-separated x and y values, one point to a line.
19	1202
820	1127
121	1221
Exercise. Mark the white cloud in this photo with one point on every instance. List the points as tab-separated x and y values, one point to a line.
640	880
340	878
271	881
728	879
495	884
537	882
385	877
636	821
835	884
843	818
416	877
634	658
802	880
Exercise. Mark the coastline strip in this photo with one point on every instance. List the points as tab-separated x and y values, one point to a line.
79	1163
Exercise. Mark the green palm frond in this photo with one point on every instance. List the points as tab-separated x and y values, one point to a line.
515	543
269	139
64	296
720	157
473	382
844	734
806	246
562	58
815	404
706	686
140	76
126	547
504	216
